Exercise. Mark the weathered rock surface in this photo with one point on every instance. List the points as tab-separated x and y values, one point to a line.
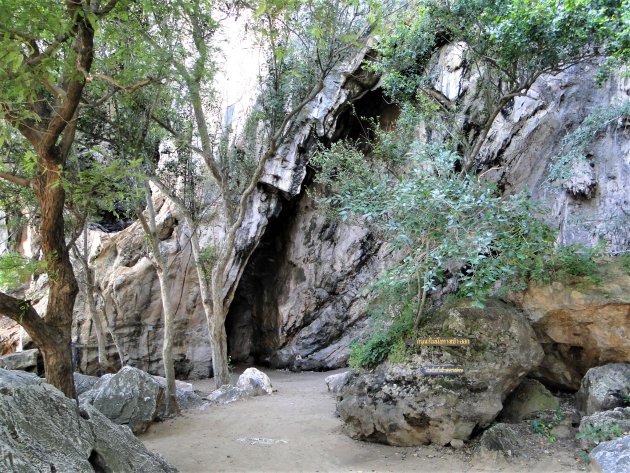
26	360
254	382
620	417
580	326
130	397
593	205
226	394
398	405
603	388
335	382
499	442
42	430
529	399
84	383
612	457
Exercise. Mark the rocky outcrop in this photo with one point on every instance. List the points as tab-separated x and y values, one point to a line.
42	430
580	326
399	405
604	388
612	457
592	205
528	400
131	397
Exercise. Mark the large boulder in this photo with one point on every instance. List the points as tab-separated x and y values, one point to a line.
604	388
26	360
612	457
42	430
399	405
580	326
603	426
528	400
499	442
130	397
335	382
254	382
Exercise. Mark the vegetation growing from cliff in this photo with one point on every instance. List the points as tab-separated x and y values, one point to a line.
507	44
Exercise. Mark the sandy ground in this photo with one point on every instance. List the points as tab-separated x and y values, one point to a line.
301	413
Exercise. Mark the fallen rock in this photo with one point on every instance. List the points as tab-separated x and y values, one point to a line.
604	388
529	399
579	326
130	397
499	442
186	396
602	426
26	360
334	382
457	444
397	404
226	394
254	382
612	457
42	430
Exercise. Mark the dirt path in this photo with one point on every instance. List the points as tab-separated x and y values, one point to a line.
302	414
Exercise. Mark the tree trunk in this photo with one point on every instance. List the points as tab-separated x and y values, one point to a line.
63	286
167	347
97	322
218	342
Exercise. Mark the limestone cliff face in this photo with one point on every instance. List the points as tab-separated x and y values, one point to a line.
300	303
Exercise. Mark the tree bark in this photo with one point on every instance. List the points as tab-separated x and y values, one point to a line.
218	343
63	286
161	267
167	346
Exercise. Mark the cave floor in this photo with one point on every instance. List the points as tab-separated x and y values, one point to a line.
301	413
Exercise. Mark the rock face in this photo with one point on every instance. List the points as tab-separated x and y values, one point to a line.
604	388
42	430
612	457
529	399
619	417
580	327
398	405
292	311
130	397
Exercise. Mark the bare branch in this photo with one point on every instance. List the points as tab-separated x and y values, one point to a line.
20	181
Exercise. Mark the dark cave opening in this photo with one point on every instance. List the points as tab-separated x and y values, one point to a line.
252	323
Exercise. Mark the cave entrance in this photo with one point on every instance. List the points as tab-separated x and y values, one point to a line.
253	323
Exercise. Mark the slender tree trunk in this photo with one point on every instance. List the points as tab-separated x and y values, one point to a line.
150	230
97	323
167	346
218	344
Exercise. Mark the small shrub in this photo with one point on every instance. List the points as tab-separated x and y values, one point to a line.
598	433
577	261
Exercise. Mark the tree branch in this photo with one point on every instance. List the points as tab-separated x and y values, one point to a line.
23	313
20	181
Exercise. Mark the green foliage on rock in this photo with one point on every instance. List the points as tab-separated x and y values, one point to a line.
600	433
